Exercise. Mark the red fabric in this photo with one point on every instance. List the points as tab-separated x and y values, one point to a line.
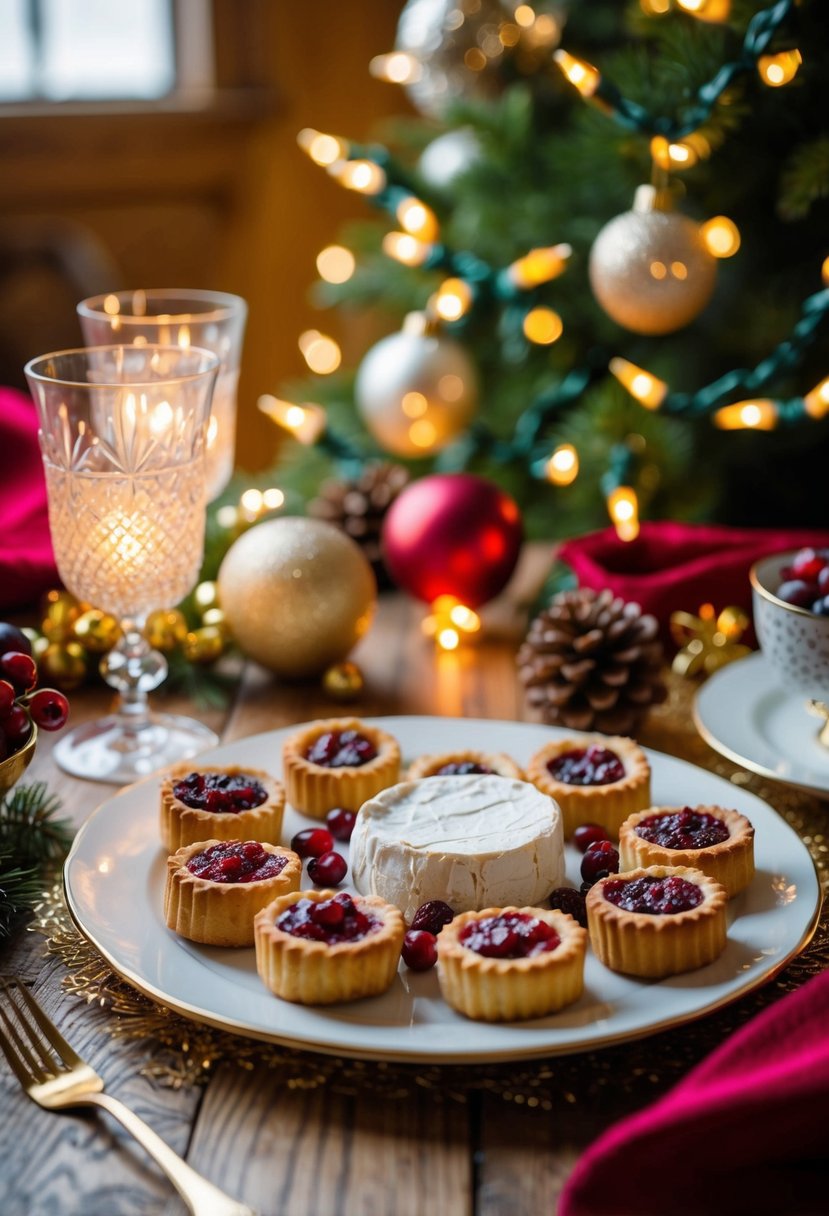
27	564
673	567
744	1132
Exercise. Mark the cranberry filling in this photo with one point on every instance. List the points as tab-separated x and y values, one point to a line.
220	792
460	768
512	935
237	861
655	896
685	829
594	765
331	920
341	749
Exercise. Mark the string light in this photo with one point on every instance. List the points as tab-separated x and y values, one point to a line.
417	219
655	8
453	299
363	176
707	10
582	75
321	353
336	264
450	622
779	69
253	504
623	509
759	415
305	423
323	149
539	266
542	326
721	236
816	403
405	248
672	156
397	67
647	389
562	468
524	16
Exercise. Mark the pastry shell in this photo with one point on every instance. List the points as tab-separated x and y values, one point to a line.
314	789
730	863
607	805
221	913
500	764
511	989
654	946
182	824
315	973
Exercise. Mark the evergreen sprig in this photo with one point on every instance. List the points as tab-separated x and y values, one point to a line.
33	840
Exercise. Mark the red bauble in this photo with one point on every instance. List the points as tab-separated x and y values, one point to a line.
452	534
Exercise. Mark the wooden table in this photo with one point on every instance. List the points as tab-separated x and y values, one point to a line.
313	1152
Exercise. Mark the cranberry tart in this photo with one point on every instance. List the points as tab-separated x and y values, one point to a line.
657	921
321	947
709	838
461	764
594	778
508	964
227	803
215	888
340	762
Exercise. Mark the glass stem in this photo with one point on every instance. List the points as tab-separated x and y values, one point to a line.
134	669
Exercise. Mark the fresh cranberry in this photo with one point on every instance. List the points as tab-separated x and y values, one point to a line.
823	580
601	858
20	669
587	834
17	726
316	920
807	564
49	709
234	861
419	950
12	638
432	916
567	899
821	607
327	870
797	593
594	765
312	842
653	896
685	829
341	749
509	935
7	697
340	823
220	793
460	768
328	913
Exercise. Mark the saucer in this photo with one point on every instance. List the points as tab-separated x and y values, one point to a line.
742	714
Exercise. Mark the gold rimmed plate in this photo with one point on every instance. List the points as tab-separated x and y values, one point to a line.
114	880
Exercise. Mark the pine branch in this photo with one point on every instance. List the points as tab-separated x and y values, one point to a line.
30	831
19	889
805	179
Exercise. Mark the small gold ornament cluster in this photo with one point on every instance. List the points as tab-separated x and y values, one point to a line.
709	640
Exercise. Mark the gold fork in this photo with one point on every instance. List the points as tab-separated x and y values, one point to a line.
55	1077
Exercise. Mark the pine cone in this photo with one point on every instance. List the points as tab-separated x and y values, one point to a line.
590	661
359	507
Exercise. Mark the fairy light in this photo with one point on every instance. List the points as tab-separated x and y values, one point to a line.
539	266
321	353
562	468
714	11
450	622
582	75
305	422
648	390
721	236
362	176
336	264
779	69
655	8
417	219
524	16
623	509
673	156
397	67
323	149
448	639
824	271
405	248
542	326
816	402
453	299
759	415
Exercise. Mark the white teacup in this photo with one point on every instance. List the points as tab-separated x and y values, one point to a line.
794	641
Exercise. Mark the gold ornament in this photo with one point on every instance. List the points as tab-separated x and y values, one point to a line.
343	681
297	594
61	610
708	640
165	629
206	596
216	617
204	645
650	268
96	631
64	664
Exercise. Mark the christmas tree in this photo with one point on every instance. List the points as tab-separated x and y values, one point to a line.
588	354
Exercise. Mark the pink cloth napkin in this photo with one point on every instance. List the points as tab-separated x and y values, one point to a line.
27	565
744	1132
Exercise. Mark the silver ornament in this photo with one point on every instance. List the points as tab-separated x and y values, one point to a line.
650	269
416	391
449	156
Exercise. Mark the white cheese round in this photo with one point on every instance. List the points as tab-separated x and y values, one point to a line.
475	841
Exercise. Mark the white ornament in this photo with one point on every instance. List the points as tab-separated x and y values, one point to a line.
448	156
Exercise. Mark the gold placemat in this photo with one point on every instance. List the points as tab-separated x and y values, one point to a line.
181	1052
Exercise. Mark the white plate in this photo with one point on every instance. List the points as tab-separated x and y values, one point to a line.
114	883
742	713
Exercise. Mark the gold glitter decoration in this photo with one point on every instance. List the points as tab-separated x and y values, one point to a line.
343	681
185	1053
709	641
297	593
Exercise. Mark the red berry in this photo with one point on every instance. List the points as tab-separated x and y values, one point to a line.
327	870
48	708
600	859
340	823
7	696
12	638
20	668
312	842
807	564
567	899
587	834
797	592
432	916
16	726
420	950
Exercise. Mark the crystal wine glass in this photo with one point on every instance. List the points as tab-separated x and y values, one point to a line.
122	436
213	320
